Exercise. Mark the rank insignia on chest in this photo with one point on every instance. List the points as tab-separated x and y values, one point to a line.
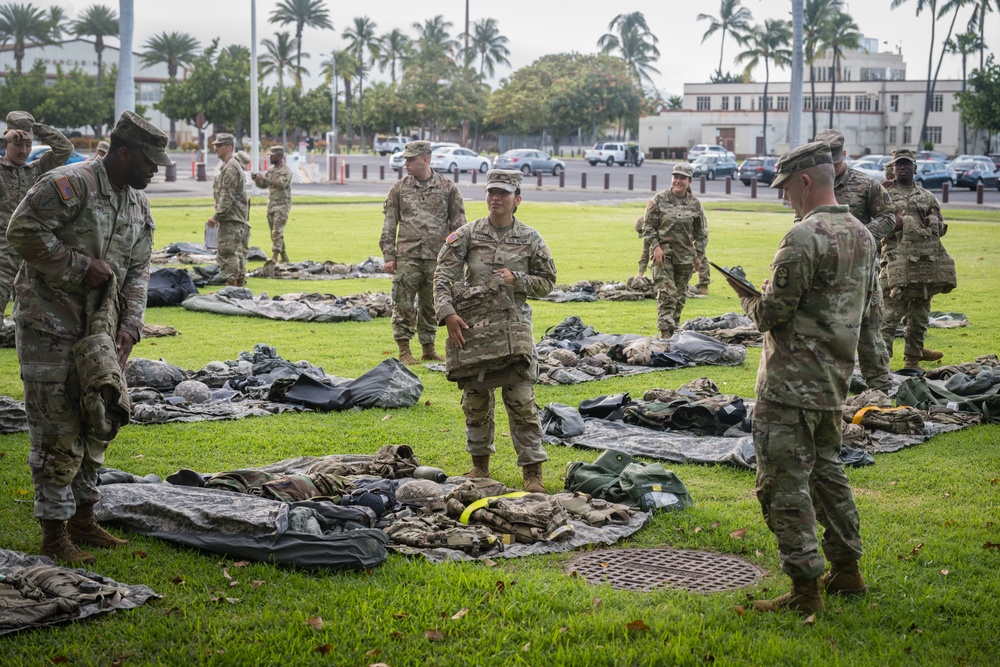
781	277
65	189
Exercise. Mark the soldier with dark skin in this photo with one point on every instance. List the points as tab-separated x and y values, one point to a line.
79	229
278	181
822	282
869	203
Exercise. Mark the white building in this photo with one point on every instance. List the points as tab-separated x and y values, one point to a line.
79	54
874	105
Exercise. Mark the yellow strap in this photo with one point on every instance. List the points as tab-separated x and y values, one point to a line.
859	415
483	502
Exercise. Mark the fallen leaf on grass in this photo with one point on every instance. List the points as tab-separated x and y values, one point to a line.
893	483
140	554
915	630
500	586
715	524
949	522
396	635
944	572
324	649
740	610
257	583
460	613
139	456
401	614
21	491
427	402
991	545
947	495
563	629
378	664
60	659
810	620
175	610
526	647
316	623
434	635
488	562
372	653
738	534
604	564
229	600
916	550
598	602
697	529
240	563
995	480
386	418
179	581
637	626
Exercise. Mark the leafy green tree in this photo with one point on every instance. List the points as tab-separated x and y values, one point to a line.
277	60
97	21
979	105
175	49
70	101
361	42
732	18
766	44
21	23
632	40
302	13
24	91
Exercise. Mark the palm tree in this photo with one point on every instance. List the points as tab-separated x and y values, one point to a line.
21	24
964	45
174	49
277	59
346	68
635	44
57	22
839	32
489	45
817	15
978	22
393	48
97	21
302	13
767	43
361	36
732	18
434	42
675	103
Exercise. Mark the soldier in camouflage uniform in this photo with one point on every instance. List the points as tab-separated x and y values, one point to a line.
101	150
16	177
677	230
232	213
869	203
821	285
915	266
79	228
278	181
498	245
420	210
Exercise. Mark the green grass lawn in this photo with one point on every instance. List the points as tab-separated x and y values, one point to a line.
926	512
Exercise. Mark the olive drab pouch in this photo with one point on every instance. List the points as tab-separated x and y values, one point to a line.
498	346
618	478
920	262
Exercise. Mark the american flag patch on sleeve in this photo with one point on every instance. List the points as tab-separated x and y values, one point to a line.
451	237
65	189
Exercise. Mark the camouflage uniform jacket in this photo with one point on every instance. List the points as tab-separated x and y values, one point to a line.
473	252
15	180
822	282
230	192
678	225
917	202
419	216
868	201
72	215
278	180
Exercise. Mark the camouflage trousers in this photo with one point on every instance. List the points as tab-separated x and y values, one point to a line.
917	312
413	300
10	262
234	245
277	218
873	354
671	293
704	272
800	480
522	416
64	458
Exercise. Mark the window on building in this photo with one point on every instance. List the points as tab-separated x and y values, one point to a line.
737	103
863	103
894	103
845	74
782	102
842	103
725	102
937	103
760	102
933	134
907	134
149	93
892	135
822	102
704	103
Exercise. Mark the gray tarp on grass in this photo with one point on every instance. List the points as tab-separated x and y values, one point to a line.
13	418
241	301
373	267
128	597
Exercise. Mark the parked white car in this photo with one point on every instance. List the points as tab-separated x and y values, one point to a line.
397	161
870	168
698	150
450	158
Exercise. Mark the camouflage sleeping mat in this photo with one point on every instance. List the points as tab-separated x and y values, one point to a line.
292	307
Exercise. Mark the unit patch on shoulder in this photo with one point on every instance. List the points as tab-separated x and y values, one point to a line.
65	189
781	277
886	199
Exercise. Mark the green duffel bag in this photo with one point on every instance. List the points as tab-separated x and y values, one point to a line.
618	478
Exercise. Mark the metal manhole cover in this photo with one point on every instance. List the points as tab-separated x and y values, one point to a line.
649	569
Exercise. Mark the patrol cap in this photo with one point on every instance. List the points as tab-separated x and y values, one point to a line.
103	146
224	139
836	140
136	131
415	148
683	169
504	179
276	150
20	120
903	154
802	157
242	157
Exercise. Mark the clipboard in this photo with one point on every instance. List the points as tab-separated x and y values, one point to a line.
742	281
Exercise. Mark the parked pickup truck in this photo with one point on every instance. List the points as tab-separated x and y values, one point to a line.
389	145
612	152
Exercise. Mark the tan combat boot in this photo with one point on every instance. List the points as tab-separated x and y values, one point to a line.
429	353
56	544
912	363
844	579
275	257
666	333
480	467
804	598
930	355
703	290
84	529
284	257
405	356
532	474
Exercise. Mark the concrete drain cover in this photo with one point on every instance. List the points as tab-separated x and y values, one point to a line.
649	569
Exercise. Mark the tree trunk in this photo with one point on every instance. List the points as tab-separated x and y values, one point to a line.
173	133
812	88
933	82
348	104
767	81
361	111
281	107
928	90
722	49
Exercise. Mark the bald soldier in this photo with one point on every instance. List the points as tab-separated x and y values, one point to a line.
81	229
869	203
822	284
420	211
16	176
278	181
232	213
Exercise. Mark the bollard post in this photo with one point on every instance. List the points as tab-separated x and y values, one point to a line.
399	173
753	187
474	174
701	184
456	174
652	183
979	193
381	172
583	181
562	178
945	191
201	171
539	174
630	181
364	172
171	172
729	185
607	180
347	170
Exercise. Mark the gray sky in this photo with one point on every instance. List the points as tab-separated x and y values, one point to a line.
535	28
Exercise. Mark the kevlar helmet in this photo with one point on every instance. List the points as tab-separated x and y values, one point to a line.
193	391
422	494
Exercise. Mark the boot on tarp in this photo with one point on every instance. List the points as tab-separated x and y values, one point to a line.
805	598
57	545
844	579
532	474
405	356
930	355
83	529
429	354
912	363
480	467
